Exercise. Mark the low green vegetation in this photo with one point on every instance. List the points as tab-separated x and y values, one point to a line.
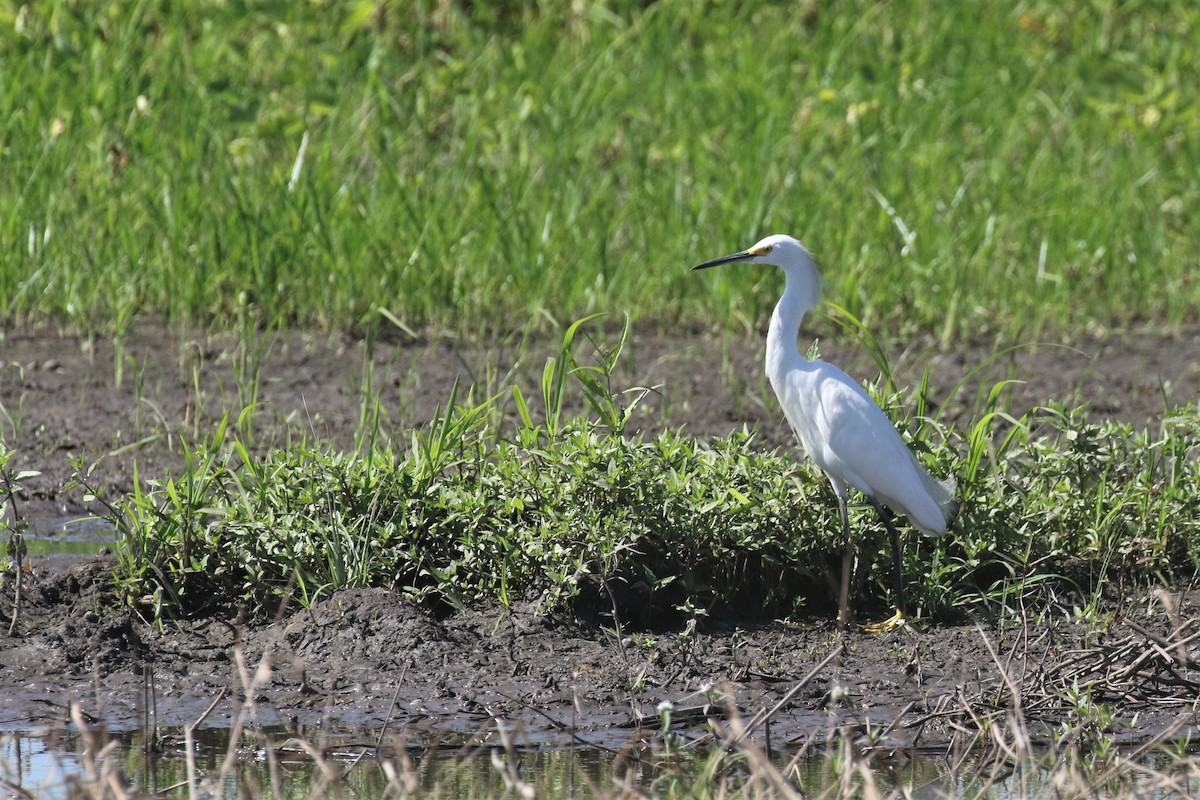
577	515
957	167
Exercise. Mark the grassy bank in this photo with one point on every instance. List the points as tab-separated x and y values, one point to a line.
662	528
570	512
957	168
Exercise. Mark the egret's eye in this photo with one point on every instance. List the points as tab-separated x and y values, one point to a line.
759	251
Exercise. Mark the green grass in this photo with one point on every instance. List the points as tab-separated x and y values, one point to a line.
957	167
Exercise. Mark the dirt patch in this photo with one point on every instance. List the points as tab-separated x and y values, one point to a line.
367	658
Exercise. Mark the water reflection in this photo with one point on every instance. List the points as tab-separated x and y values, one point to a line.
58	542
268	762
348	764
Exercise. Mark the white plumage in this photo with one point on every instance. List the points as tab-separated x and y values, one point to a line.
838	424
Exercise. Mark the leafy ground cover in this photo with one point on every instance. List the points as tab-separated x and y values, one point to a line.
685	525
957	168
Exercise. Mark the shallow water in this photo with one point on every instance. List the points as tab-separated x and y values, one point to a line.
58	542
348	764
49	765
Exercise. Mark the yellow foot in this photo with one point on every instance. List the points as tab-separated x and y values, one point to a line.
897	620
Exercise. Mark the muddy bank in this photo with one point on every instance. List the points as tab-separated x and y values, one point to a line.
366	658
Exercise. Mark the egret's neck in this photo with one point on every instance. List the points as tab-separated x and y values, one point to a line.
802	292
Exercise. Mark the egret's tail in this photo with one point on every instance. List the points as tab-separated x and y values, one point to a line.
942	492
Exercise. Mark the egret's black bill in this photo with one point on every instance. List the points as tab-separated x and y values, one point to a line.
716	262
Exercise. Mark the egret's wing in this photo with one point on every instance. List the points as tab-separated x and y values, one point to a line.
863	443
855	429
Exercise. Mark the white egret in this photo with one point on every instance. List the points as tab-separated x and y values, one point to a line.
838	424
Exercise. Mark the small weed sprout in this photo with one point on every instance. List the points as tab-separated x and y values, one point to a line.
13	530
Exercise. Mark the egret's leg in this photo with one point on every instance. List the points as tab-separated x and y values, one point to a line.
847	563
897	573
897	619
838	691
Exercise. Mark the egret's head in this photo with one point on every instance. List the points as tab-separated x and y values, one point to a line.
779	249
